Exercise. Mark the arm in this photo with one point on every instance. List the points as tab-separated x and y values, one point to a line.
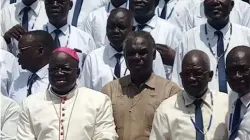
87	73
158	67
105	126
24	128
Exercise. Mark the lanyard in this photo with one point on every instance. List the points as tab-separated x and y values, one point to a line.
171	12
210	121
67	43
108	7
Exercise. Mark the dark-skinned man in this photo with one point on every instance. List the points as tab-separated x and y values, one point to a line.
64	111
196	113
18	18
35	48
238	76
96	22
216	38
135	97
163	32
107	63
64	34
198	14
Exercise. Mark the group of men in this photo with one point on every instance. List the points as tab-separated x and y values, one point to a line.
125	69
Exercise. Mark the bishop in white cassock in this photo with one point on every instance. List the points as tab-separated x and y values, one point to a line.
64	111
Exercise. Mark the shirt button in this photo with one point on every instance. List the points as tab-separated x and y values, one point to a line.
62	120
63	102
63	109
61	133
62	127
63	114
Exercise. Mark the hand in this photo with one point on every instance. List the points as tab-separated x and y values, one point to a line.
15	32
167	54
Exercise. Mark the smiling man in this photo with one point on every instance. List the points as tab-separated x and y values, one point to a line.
64	111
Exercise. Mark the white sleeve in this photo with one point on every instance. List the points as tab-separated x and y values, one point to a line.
105	126
14	71
4	45
24	128
158	67
87	73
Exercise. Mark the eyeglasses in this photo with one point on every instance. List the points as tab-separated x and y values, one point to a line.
196	75
66	70
50	2
240	71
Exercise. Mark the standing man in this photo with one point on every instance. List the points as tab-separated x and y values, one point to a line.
18	18
197	113
96	22
163	32
238	75
35	48
198	14
64	111
107	63
135	97
216	38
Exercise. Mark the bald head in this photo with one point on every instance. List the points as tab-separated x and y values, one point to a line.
238	53
121	12
196	57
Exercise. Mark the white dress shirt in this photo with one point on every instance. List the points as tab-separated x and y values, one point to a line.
87	7
163	33
13	14
176	10
83	114
244	129
5	3
3	44
19	88
99	67
197	39
9	71
9	117
172	120
96	23
239	15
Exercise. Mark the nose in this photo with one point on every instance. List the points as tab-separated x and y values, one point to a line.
238	74
55	3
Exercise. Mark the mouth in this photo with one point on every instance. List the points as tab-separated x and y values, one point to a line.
139	5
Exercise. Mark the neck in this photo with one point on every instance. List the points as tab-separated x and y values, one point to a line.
117	47
218	26
28	3
58	24
145	19
201	94
139	79
62	93
117	3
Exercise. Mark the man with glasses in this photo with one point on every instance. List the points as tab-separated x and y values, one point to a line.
64	111
238	76
197	113
35	48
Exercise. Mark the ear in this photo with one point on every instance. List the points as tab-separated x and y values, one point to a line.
70	5
78	72
40	51
210	74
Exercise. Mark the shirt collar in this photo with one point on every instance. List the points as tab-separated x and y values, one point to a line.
149	83
56	96
151	23
111	7
111	51
211	30
43	71
188	100
244	99
65	29
36	7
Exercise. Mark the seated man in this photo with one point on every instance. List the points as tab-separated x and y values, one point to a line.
197	113
107	63
35	49
135	97
64	111
237	71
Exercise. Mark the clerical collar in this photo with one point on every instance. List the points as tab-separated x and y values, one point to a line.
66	96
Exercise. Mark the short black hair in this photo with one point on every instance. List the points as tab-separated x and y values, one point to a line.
127	12
43	38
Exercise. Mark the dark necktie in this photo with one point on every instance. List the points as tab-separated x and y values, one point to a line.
31	81
141	26
221	63
25	21
164	11
57	33
78	7
198	119
118	65
12	1
236	120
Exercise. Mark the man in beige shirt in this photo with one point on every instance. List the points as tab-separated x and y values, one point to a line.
197	113
135	97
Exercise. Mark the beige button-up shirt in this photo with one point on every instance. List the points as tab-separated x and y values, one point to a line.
134	107
172	120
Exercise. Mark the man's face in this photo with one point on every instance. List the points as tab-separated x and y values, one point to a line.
141	7
195	77
28	52
118	27
237	71
63	72
218	10
57	10
139	55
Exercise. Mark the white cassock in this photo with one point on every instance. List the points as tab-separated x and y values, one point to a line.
83	114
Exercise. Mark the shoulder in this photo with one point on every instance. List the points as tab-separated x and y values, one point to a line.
238	27
9	9
7	55
168	104
97	53
6	102
195	30
165	24
92	95
34	99
79	32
